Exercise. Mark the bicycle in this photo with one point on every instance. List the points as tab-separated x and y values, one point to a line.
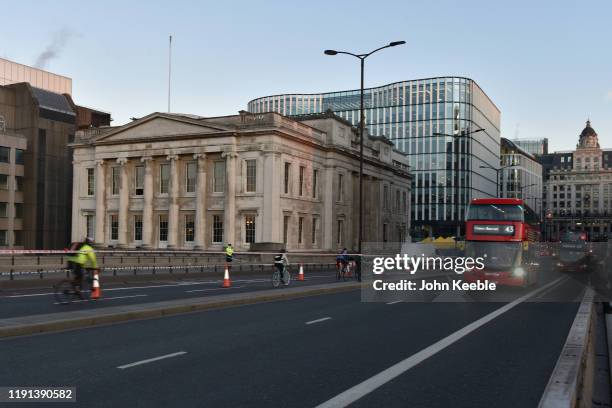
276	277
65	293
341	269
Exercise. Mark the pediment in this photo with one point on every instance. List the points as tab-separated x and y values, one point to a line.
159	127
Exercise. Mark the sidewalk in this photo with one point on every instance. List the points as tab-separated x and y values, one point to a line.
44	323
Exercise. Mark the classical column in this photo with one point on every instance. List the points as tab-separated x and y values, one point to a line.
147	210
124	199
200	201
272	221
229	223
173	206
329	203
100	192
77	229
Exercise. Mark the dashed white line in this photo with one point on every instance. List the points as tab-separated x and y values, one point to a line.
105	298
150	360
358	391
211	289
319	320
394	302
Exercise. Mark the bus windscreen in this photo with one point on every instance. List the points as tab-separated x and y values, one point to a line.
496	212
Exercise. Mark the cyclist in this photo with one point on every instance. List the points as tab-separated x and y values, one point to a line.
229	255
344	259
281	262
83	259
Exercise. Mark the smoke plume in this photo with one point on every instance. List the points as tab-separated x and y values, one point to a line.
58	42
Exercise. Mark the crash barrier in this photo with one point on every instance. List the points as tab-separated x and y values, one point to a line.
165	269
571	383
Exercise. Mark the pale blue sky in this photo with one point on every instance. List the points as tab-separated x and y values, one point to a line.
546	64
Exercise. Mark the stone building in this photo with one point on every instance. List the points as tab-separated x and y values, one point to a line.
578	192
184	181
12	150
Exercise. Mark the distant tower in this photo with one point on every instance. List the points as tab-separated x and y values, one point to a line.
588	138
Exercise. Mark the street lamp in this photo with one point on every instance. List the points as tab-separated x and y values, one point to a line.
456	138
362	58
497	179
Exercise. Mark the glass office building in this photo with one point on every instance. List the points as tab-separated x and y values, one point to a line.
411	113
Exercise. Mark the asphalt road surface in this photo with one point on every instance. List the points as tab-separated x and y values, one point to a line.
306	352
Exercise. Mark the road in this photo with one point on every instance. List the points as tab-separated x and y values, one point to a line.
24	302
304	352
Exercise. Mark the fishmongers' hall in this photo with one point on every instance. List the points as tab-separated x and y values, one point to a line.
184	181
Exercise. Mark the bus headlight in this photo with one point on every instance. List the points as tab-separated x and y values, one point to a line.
519	272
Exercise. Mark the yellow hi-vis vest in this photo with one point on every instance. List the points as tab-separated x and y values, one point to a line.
88	256
229	251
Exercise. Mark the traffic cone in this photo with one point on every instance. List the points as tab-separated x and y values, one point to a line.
226	279
301	274
95	285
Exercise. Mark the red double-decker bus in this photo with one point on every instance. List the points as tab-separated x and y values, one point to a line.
500	230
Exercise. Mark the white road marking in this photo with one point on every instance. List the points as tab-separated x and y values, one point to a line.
104	298
207	290
353	394
319	320
150	360
547	291
394	302
163	286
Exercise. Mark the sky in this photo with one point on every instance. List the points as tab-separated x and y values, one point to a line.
547	65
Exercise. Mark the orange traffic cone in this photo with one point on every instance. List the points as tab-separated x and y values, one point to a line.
95	285
301	274
226	279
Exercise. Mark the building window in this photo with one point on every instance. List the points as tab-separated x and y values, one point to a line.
3	210
5	154
139	173
164	178
114	227
249	229
19	156
302	172
341	187
397	200
18	210
385	197
115	180
314	231
300	230
217	232
18	238
219	177
90	182
3	238
137	227
3	182
251	176
405	201
315	176
384	231
287	177
190	177
90	225
189	228
163	228
285	229
340	232
18	183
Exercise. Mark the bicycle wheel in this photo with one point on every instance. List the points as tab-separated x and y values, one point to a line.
64	291
287	276
338	273
276	279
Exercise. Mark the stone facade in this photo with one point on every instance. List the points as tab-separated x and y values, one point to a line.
579	191
183	181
